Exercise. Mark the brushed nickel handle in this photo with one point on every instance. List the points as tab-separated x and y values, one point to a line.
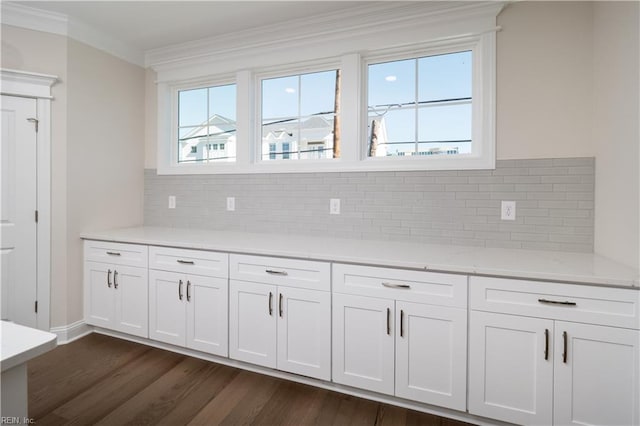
546	344
270	303
564	350
115	279
109	278
113	253
188	293
401	323
180	289
393	285
388	321
186	262
556	302
280	305
274	272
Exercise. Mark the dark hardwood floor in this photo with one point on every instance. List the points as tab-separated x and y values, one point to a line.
107	381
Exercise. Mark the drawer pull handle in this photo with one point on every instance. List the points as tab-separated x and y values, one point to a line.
274	272
270	303
109	278
556	302
388	321
280	305
546	344
115	279
188	292
393	285
186	262
113	253
564	349
401	323
180	289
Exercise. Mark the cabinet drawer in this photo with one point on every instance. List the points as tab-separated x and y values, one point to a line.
197	262
116	253
400	284
279	271
570	302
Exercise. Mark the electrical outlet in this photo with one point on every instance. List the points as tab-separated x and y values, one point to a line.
334	206
172	201
508	210
231	204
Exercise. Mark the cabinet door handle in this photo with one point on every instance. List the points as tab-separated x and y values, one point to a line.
270	303
401	323
388	321
109	278
557	302
274	272
115	279
280	305
113	253
186	262
546	344
394	285
188	292
564	349
180	289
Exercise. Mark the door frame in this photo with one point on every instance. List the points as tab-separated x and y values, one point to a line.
38	86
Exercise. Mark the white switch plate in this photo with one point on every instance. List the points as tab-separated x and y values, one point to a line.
334	206
508	210
172	201
231	204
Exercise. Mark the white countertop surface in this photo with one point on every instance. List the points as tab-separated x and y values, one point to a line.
20	344
583	268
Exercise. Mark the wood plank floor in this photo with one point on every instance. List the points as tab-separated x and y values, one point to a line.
108	381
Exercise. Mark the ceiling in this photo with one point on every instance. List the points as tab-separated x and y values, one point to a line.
147	25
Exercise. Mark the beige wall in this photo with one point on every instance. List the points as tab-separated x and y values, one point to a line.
97	155
105	152
616	118
47	53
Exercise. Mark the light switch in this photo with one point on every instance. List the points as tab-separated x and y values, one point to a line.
172	201
334	206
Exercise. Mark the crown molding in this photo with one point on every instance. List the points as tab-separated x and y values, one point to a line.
19	15
336	32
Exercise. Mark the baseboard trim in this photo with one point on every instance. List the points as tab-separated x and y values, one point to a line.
69	333
425	408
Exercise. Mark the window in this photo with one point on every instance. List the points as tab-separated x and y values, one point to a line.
297	111
420	106
206	118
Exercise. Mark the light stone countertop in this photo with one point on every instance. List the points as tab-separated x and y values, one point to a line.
20	344
585	268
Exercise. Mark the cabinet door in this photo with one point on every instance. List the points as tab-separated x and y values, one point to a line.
167	307
363	346
99	297
431	354
132	300
597	383
207	314
252	322
304	332
509	377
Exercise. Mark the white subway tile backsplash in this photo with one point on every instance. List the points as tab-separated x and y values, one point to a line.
554	200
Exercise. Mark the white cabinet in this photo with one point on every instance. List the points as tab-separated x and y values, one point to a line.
394	345
280	314
186	309
547	368
116	293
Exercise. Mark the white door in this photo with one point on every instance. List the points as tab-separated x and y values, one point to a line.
304	332
18	232
207	324
167	308
431	354
597	382
132	300
99	297
363	342
511	368
252	323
